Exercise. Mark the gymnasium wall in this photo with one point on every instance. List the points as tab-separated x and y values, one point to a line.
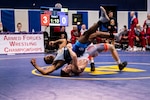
122	5
31	18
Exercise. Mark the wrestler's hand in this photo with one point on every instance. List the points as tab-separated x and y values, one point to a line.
69	46
51	43
33	61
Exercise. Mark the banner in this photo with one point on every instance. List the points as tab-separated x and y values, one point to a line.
21	43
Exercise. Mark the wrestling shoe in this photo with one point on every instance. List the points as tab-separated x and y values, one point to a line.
92	66
122	65
103	18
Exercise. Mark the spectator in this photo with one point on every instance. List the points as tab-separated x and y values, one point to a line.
63	33
111	17
124	39
2	28
134	21
19	27
83	29
131	36
74	34
146	27
140	37
112	28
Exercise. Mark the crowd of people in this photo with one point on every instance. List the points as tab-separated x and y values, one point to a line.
134	38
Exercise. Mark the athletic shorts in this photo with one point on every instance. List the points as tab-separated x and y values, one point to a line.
79	48
95	49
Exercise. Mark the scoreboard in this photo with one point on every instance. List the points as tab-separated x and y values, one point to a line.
51	16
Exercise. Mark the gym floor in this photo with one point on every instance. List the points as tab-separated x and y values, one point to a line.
20	81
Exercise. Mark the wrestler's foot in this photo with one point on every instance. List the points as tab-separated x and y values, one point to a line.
92	67
103	18
117	36
122	65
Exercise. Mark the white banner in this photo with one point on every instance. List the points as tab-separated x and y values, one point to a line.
21	43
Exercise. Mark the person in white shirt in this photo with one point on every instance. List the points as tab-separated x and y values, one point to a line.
19	27
83	29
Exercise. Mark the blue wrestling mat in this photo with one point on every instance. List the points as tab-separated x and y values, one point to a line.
20	81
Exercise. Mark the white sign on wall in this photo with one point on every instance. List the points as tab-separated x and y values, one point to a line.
21	43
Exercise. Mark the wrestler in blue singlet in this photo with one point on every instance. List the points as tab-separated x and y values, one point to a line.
79	48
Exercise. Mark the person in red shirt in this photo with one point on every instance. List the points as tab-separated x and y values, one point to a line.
74	34
146	27
131	36
140	36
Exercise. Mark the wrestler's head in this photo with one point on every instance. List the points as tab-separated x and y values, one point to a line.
66	71
49	59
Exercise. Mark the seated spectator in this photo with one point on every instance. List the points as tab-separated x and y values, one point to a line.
146	27
74	34
63	33
140	37
124	39
2	28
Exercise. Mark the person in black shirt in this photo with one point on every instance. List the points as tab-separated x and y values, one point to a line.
63	33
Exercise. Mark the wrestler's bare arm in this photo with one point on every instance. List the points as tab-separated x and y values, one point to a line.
99	34
47	69
62	43
73	56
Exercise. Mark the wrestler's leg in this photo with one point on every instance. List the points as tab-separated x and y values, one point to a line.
115	55
91	50
101	34
104	18
92	65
